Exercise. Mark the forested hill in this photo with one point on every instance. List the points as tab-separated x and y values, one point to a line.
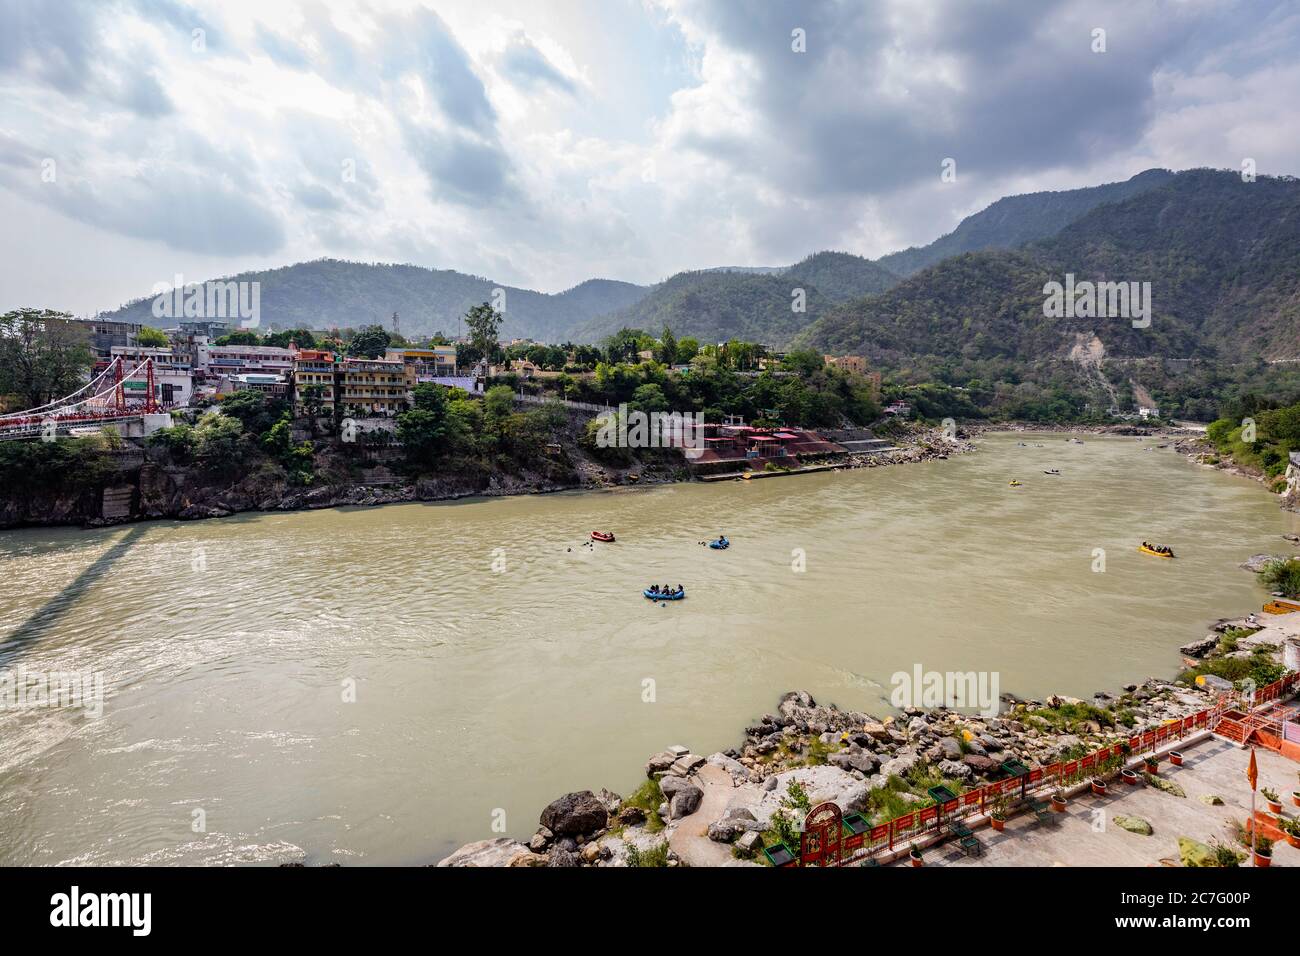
716	307
753	305
1016	220
332	292
1222	257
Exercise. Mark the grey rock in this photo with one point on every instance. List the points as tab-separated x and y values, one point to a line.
659	763
684	803
497	852
749	842
575	813
954	768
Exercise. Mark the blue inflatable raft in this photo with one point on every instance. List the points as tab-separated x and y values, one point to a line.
660	596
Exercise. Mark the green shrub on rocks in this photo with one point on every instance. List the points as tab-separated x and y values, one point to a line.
657	855
1134	825
1168	786
647	798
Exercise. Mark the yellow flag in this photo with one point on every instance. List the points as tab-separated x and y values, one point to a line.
1252	772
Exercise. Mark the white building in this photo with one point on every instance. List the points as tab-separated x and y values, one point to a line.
217	360
173	382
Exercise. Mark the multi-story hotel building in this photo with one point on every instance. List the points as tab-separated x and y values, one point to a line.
437	361
315	368
374	386
216	360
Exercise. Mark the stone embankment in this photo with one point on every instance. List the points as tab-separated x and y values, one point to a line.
722	809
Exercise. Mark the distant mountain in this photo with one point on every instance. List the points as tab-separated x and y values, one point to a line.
715	307
752	304
332	292
1222	257
840	276
1016	220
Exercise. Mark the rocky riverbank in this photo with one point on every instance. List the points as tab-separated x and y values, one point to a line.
1199	451
722	809
145	483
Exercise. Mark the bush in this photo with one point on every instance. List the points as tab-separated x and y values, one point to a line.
1283	576
657	855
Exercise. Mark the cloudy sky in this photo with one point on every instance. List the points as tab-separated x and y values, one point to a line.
542	142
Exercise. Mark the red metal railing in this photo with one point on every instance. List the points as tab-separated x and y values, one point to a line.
887	836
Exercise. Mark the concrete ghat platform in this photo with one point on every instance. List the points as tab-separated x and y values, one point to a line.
1085	835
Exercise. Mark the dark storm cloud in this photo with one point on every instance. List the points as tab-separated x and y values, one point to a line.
875	104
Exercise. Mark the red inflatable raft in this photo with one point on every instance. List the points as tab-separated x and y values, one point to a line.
602	536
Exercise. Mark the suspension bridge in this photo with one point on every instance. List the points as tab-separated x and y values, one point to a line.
101	402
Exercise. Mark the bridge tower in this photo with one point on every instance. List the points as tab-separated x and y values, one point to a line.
150	406
119	394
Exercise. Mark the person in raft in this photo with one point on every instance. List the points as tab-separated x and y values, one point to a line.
722	539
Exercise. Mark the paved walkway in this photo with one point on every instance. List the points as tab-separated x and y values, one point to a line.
690	841
1086	835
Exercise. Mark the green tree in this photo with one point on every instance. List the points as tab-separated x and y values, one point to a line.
484	323
218	440
152	338
256	411
301	338
43	355
241	337
370	341
666	350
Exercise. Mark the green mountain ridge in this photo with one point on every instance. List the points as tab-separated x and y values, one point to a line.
1222	257
759	306
334	292
1016	220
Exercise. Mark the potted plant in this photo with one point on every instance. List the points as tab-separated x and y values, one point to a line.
1175	758
1152	764
1130	777
1274	801
1292	830
998	815
1263	851
1295	797
914	855
1099	786
1058	801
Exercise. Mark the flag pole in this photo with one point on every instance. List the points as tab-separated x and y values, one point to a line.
1252	774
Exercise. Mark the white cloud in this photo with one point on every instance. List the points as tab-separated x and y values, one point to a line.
541	144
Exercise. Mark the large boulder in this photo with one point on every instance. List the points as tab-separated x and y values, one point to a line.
822	784
899	765
859	760
685	802
496	852
560	857
575	814
659	763
670	786
735	821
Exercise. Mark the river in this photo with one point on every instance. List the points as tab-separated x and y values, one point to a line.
381	685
